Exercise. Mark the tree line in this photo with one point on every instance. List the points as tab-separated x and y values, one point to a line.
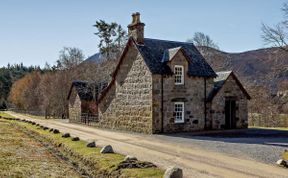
44	91
8	75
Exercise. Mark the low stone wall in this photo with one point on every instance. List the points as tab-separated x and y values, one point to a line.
261	120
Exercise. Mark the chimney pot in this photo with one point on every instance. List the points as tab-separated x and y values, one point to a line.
136	28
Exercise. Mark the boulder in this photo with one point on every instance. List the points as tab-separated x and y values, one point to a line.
282	162
173	172
75	139
45	128
107	149
56	131
66	135
51	130
132	163
129	158
285	155
91	144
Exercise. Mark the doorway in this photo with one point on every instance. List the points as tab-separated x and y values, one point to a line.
230	114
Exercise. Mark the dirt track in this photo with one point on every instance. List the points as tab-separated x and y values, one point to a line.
166	152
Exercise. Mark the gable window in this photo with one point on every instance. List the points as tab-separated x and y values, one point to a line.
179	112
179	75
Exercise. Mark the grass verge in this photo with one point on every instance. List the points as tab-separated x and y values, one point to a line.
5	115
23	156
88	160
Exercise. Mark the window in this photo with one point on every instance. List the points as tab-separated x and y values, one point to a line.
179	112
179	75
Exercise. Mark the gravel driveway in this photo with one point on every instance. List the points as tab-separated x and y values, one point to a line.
264	145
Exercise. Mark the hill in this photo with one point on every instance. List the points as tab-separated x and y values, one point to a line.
264	73
263	67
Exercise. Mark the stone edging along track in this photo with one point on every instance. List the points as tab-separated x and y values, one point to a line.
89	162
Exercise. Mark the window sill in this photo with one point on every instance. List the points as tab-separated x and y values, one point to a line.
178	122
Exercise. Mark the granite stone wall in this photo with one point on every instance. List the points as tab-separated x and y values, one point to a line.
75	109
191	93
157	104
217	107
128	103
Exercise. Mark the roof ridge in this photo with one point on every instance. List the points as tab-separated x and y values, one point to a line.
225	71
170	41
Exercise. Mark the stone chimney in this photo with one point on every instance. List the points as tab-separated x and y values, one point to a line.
136	28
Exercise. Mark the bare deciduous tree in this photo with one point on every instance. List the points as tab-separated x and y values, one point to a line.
200	39
204	43
278	34
69	58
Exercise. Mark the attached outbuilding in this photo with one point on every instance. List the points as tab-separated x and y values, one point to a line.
228	103
82	100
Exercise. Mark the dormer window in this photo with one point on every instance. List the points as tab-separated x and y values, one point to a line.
179	75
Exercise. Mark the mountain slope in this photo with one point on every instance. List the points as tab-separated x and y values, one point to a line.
266	67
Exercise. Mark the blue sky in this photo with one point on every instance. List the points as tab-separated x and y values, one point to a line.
34	31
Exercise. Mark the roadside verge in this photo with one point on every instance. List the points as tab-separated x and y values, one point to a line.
88	160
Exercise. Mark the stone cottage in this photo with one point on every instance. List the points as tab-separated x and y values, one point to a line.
162	86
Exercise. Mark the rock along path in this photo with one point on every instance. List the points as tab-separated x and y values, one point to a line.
166	152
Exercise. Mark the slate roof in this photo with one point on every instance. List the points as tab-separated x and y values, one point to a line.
86	90
220	80
83	90
154	51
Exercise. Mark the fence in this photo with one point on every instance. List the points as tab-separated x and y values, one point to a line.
89	119
84	118
260	120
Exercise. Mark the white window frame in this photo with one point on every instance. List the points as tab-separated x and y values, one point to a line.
176	120
177	75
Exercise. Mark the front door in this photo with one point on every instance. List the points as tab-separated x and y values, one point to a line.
230	114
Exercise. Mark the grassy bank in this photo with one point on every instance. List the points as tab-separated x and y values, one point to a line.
23	156
90	160
4	114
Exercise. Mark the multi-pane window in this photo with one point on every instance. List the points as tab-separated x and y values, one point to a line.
179	112
179	75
